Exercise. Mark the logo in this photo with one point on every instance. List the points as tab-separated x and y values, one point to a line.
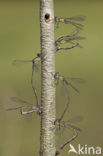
85	150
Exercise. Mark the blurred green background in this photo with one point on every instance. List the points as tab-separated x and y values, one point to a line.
20	39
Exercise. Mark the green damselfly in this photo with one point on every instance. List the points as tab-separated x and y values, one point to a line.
71	20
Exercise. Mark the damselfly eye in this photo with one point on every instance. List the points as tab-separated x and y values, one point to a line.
38	54
57	153
56	19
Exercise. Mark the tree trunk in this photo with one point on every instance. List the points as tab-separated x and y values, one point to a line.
47	144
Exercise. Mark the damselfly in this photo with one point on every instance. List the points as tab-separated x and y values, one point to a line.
35	67
62	125
72	38
71	20
27	108
67	81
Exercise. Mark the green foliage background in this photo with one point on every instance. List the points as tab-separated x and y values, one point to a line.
20	39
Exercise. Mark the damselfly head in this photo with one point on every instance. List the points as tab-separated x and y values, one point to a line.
57	121
57	75
39	55
57	43
56	19
57	48
57	153
39	110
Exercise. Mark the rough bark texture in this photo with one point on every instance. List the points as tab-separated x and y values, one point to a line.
48	83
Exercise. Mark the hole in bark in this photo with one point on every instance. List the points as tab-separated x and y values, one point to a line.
47	18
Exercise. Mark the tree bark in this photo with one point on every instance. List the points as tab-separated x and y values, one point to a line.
47	141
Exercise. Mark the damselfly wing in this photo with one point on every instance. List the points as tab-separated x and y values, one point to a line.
24	106
35	62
